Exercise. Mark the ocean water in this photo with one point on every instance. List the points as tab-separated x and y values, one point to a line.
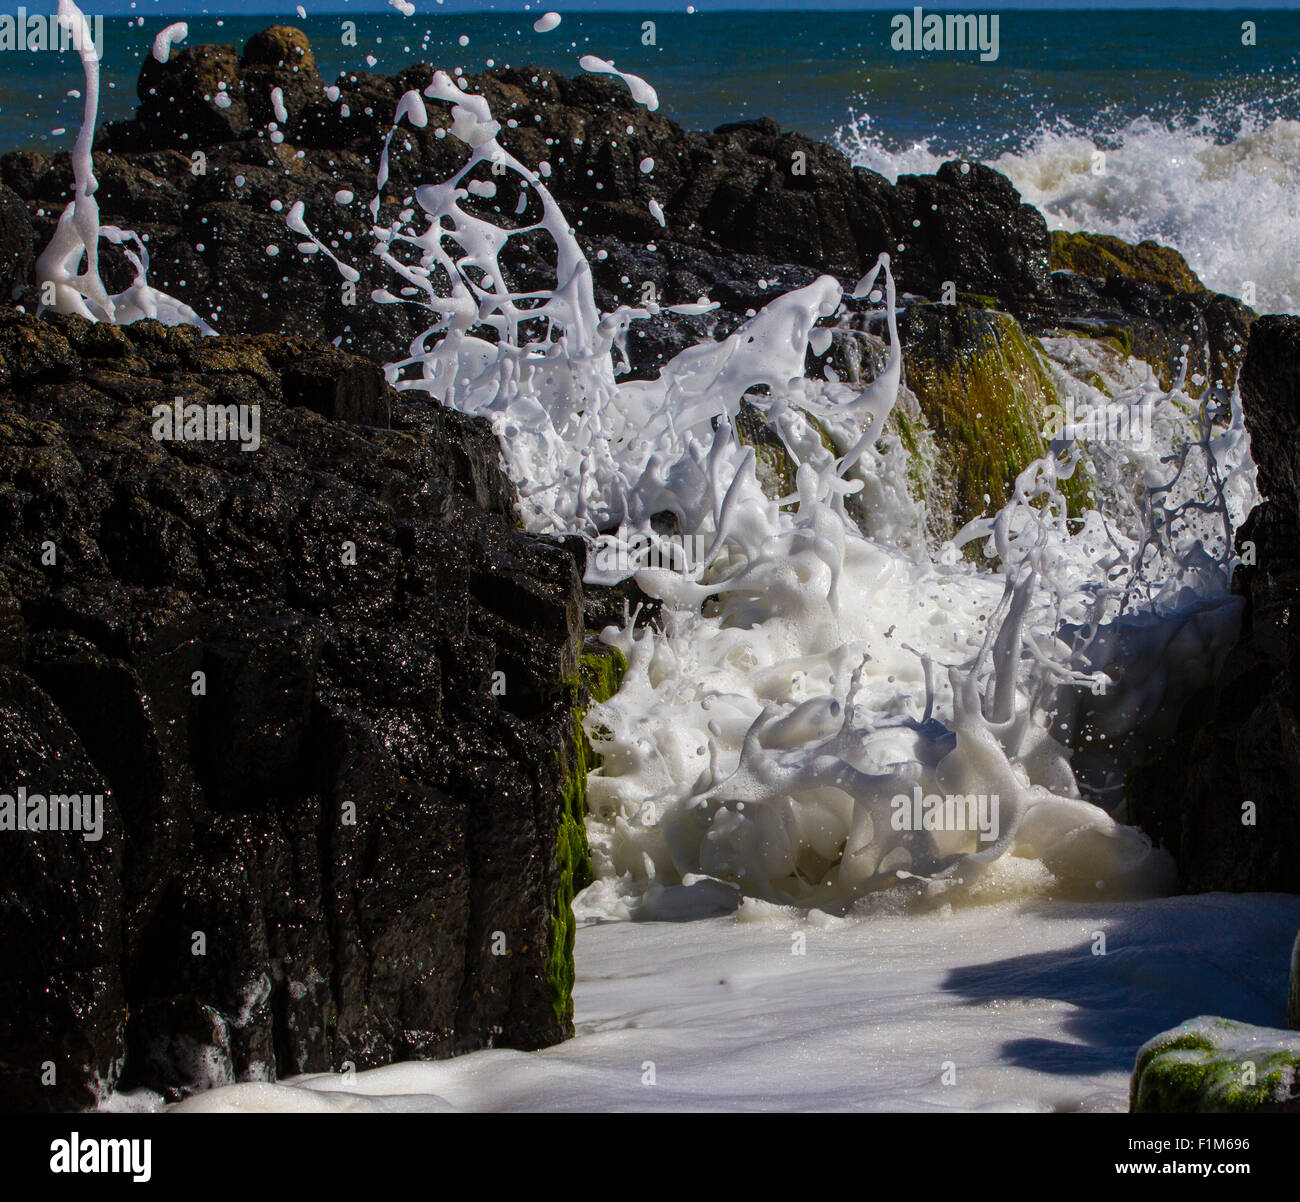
813	670
1201	133
1005	1009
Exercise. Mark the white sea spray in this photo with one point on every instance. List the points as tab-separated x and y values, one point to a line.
803	674
1227	198
63	284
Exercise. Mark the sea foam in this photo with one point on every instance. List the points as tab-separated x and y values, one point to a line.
805	673
810	667
1224	189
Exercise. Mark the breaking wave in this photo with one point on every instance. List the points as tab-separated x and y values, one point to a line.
1221	187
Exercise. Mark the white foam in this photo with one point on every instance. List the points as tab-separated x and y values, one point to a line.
78	234
641	91
162	44
807	675
1228	203
1004	1008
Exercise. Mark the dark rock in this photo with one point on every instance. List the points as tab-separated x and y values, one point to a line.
1225	796
60	917
1207	330
336	781
966	224
335	385
179	99
1270	389
25	171
279	57
16	244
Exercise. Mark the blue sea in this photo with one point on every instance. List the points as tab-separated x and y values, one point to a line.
1201	133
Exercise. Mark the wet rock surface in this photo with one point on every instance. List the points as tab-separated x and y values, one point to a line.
207	170
325	690
1225	798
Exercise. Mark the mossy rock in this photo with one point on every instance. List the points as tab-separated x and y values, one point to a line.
978	419
280	46
1102	256
982	389
926	481
1096	381
1217	1066
773	464
600	672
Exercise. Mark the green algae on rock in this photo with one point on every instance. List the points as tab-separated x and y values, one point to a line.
982	388
600	672
1217	1066
1102	256
773	463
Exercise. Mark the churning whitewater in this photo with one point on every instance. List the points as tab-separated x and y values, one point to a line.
819	701
1222	187
829	709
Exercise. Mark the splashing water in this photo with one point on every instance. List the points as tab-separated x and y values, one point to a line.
1227	198
641	91
178	31
62	284
819	715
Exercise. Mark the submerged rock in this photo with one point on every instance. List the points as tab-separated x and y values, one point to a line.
326	691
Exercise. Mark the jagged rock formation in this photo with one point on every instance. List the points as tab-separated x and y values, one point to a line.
748	208
326	690
1225	797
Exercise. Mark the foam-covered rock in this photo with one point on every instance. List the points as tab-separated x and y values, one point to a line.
1216	1066
1225	796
